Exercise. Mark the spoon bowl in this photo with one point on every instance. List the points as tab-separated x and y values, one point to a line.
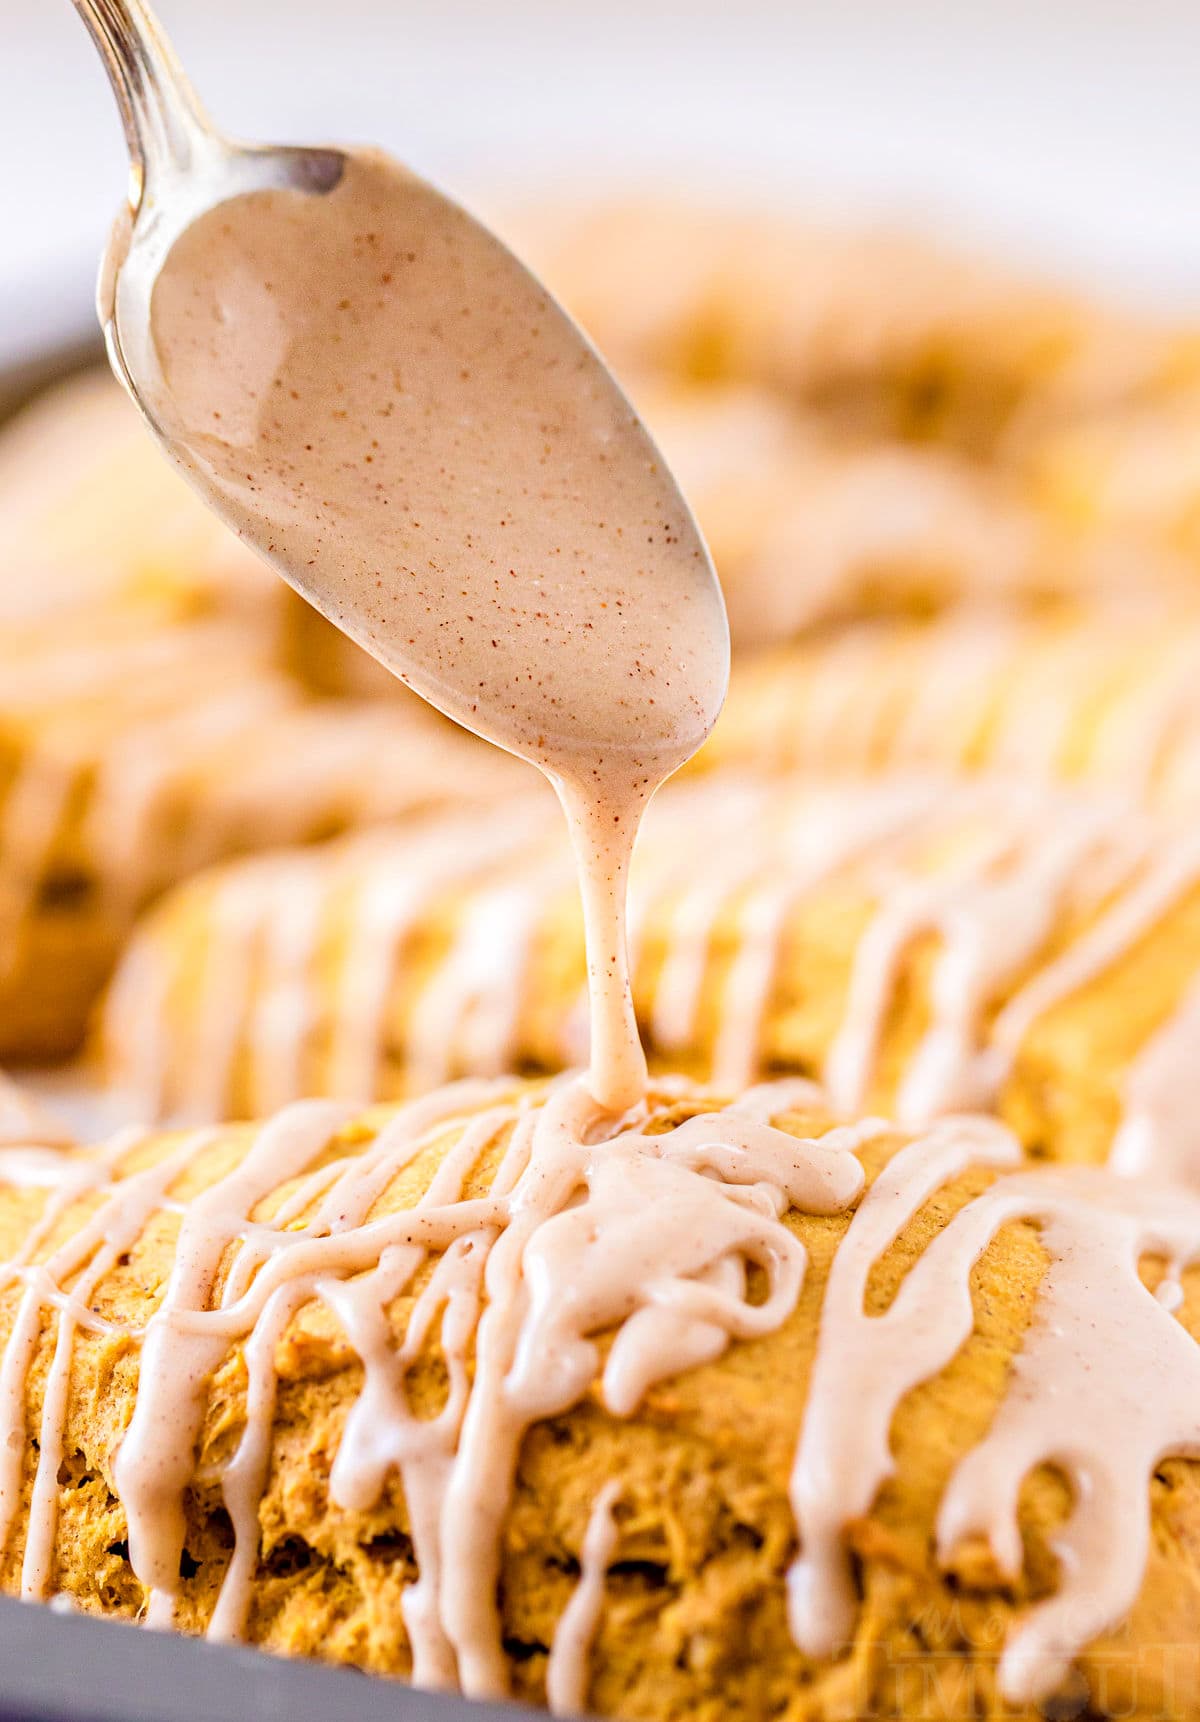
244	288
372	391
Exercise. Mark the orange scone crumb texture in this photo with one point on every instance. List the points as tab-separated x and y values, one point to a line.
358	1462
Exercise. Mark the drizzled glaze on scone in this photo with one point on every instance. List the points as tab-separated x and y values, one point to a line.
593	1259
320	974
1107	695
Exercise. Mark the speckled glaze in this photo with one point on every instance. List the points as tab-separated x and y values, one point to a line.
375	394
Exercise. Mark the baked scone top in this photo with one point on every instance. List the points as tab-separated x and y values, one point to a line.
301	1382
923	944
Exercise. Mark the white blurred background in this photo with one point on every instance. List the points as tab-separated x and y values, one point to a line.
1064	130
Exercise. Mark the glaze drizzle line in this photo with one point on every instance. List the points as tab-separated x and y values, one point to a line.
1011	864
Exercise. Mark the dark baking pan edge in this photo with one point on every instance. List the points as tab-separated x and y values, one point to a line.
24	378
69	1668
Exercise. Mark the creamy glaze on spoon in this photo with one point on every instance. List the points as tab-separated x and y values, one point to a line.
374	393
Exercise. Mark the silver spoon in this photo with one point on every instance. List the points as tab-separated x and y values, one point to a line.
375	394
180	167
183	170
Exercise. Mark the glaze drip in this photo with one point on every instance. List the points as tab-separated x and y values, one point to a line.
566	1671
1105	1386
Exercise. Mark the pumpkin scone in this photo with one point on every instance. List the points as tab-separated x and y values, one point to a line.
96	524
807	529
883	332
711	1410
1106	695
1131	471
93	517
920	944
131	757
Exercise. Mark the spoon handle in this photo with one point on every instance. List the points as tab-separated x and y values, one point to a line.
164	122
